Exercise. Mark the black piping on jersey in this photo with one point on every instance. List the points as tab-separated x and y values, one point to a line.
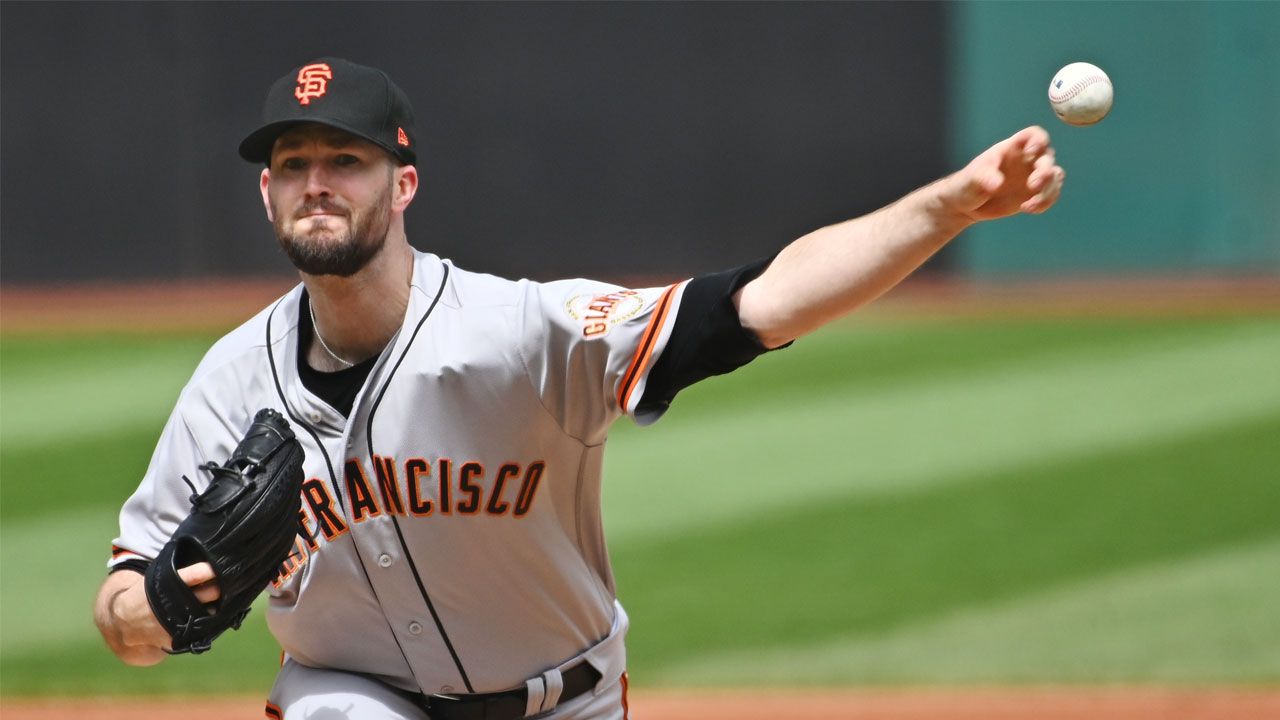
413	567
275	376
328	464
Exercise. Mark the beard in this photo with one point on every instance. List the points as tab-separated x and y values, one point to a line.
325	250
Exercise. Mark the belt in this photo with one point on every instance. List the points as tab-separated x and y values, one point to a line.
508	704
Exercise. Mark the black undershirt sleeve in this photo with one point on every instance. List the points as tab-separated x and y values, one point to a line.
707	339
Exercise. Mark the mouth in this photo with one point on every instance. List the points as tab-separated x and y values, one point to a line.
319	211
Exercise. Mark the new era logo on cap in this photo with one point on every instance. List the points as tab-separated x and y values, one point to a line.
335	92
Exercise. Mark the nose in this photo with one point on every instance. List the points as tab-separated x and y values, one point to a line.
317	181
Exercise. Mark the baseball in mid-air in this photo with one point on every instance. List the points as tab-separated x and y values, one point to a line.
1081	94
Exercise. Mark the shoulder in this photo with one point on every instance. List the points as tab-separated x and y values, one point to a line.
240	358
462	288
269	327
459	288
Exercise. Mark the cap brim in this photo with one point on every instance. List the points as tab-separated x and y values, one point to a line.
256	148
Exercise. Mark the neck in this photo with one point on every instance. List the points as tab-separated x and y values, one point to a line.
357	316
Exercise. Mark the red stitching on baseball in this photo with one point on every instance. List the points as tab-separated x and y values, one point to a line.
1074	90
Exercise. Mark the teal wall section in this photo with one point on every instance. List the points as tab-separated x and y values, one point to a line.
1182	177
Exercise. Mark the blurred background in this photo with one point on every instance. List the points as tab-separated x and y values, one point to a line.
1069	478
644	138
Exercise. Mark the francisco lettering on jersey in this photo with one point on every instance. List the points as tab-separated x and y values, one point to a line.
598	313
463	489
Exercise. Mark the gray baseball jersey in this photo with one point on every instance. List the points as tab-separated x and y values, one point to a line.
454	540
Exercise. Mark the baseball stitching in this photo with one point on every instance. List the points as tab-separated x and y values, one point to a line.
1074	90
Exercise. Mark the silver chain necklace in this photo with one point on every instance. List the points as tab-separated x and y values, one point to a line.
316	329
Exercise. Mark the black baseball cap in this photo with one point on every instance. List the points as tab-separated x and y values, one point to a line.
341	94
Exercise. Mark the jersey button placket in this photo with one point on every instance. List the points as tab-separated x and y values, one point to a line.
415	628
384	560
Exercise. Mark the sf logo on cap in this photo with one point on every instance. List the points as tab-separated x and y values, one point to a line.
313	82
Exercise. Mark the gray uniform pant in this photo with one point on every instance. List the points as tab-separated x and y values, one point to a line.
306	693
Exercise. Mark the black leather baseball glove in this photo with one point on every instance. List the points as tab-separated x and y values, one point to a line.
243	524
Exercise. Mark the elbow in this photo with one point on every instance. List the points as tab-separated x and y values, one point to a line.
762	319
772	339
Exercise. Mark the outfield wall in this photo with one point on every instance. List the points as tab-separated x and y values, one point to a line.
556	138
1182	177
644	139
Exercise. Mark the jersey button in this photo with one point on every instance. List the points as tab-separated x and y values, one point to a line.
384	560
415	628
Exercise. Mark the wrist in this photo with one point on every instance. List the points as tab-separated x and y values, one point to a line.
136	624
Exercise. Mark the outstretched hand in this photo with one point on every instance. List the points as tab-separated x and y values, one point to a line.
1017	174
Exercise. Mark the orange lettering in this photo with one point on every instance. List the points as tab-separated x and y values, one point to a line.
313	82
412	470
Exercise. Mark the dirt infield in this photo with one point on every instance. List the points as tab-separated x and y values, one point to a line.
224	303
922	704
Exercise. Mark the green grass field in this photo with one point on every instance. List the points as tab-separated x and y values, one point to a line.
1071	499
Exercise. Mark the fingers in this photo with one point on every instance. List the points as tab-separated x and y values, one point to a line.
1031	141
202	581
1045	199
1017	174
1045	181
1044	172
1034	158
196	574
206	593
1027	151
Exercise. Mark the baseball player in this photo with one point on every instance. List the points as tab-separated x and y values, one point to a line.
452	562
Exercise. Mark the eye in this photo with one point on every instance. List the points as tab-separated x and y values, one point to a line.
346	159
293	163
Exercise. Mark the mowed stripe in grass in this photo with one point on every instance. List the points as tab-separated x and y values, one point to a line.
888	360
56	388
867	434
243	662
99	470
867	350
1199	619
858	566
80	415
107	396
52	569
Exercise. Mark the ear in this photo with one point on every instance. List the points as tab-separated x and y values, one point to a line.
406	186
264	182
